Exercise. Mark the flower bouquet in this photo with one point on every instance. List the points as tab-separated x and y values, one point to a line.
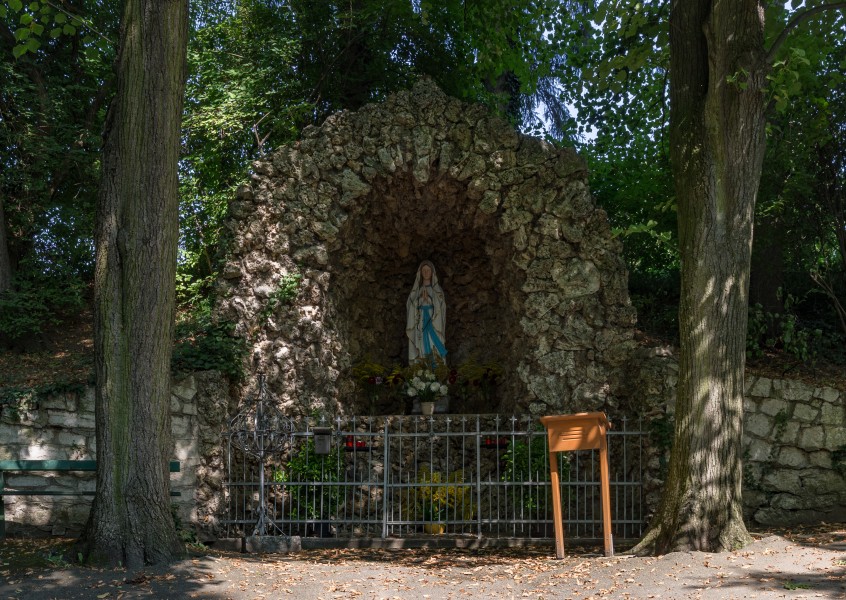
425	387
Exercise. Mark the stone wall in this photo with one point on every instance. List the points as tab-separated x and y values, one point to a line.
533	278
794	442
61	427
795	452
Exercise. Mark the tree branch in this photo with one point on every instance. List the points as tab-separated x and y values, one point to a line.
797	19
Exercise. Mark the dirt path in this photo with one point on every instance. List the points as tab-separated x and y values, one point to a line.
805	564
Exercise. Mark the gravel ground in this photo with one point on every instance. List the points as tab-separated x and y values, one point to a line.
808	563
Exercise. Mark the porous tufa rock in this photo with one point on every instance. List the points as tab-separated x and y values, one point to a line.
526	259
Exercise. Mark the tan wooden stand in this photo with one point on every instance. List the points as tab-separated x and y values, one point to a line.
582	431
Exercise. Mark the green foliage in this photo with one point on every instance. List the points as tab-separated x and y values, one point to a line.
202	343
55	89
528	461
617	79
16	401
285	293
244	99
36	18
777	331
56	559
303	471
655	295
440	497
661	433
785	79
33	304
792	585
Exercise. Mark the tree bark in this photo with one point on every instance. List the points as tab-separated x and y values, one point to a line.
5	263
136	238
717	74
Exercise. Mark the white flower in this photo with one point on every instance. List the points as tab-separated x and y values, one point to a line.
412	392
444	389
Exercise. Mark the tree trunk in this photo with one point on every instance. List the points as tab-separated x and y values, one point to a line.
717	148
130	521
5	263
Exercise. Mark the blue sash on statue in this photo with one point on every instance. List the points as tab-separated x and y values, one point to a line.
430	336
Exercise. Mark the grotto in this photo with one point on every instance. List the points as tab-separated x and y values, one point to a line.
327	238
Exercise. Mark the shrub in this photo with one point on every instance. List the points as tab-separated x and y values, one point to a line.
202	344
35	302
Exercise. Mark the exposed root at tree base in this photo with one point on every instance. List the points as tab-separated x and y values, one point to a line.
657	542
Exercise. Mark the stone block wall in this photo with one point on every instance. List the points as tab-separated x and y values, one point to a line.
61	427
795	452
794	442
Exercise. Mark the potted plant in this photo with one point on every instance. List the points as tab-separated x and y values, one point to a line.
439	497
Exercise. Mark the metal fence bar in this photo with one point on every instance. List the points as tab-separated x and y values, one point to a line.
386	480
469	473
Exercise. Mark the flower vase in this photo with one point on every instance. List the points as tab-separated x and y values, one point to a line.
434	528
427	408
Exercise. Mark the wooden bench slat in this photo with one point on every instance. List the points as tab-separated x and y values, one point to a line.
55	493
60	465
56	466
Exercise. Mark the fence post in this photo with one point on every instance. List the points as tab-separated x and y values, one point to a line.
478	479
2	507
386	469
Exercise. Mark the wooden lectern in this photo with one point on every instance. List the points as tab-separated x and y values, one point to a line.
582	431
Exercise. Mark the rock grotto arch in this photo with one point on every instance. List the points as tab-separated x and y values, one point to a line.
533	279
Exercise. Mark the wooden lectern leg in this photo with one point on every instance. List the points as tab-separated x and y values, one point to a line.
556	506
605	487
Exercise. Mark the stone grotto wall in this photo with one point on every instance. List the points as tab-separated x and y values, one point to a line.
61	427
532	276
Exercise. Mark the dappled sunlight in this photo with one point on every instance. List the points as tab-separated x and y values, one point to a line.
708	450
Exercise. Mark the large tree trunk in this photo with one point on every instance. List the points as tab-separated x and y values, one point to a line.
5	263
131	522
717	148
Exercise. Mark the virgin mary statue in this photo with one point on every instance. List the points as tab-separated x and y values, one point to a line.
425	315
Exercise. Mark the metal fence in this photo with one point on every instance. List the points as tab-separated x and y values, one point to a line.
403	476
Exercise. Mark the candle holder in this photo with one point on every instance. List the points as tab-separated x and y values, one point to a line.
261	430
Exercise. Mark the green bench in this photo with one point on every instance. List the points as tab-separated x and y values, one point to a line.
57	466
